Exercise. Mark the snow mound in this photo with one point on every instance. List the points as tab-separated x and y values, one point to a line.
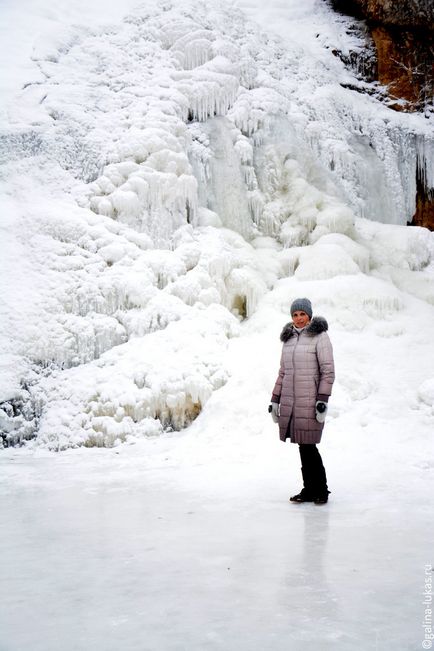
425	393
324	261
397	246
414	282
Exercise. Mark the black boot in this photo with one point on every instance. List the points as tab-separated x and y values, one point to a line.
306	494
323	498
321	491
303	496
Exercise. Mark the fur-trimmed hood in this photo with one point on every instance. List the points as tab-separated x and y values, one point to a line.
317	325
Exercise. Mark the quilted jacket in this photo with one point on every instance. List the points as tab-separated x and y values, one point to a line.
306	370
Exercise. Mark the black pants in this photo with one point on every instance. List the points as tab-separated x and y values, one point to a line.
312	469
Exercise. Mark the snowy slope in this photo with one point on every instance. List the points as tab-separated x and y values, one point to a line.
169	174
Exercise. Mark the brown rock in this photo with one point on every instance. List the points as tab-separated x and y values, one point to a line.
424	215
405	66
403	34
408	14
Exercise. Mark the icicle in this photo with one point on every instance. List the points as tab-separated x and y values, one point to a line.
256	205
425	160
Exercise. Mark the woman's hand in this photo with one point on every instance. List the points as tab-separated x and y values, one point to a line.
320	410
274	411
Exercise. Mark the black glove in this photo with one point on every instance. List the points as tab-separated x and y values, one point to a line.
320	410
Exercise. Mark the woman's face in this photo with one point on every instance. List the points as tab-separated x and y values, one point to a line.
300	319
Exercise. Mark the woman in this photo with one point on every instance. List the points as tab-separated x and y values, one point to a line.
301	392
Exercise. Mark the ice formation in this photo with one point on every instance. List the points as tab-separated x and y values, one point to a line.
171	174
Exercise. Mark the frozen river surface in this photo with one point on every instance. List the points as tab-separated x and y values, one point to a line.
111	556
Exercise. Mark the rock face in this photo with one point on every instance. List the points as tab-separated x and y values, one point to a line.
405	65
403	33
424	215
400	13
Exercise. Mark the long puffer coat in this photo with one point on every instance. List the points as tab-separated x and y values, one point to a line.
306	370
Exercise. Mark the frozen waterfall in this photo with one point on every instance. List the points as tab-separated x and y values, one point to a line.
165	175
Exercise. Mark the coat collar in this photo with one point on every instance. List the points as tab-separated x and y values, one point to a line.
317	325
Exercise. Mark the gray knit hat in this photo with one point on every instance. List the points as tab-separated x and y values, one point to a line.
302	304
